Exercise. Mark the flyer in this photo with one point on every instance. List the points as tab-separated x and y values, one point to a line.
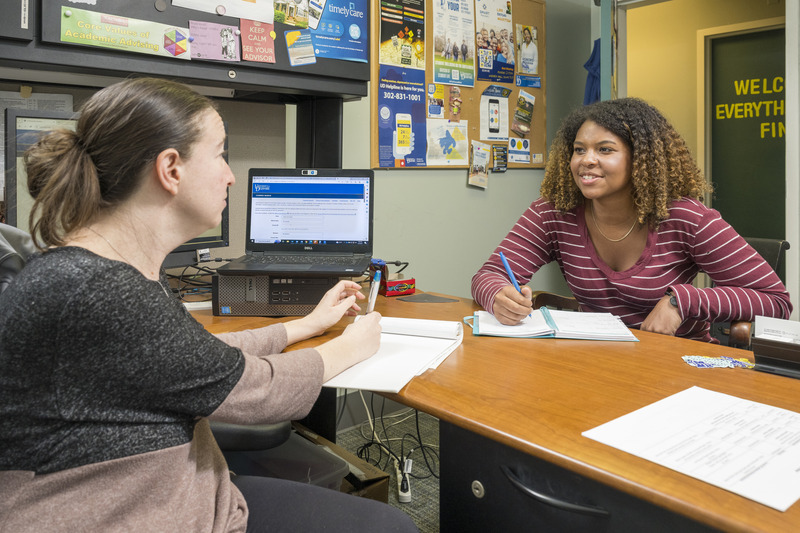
447	142
436	94
479	166
454	49
122	33
339	29
523	114
258	41
298	44
214	41
495	40
401	117
494	113
402	39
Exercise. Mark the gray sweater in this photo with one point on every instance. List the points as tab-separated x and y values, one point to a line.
104	382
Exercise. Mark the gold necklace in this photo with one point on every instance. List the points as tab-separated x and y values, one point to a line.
123	257
596	225
115	250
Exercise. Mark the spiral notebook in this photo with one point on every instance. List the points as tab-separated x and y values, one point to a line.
550	323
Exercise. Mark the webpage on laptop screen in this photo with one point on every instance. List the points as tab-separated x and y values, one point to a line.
322	211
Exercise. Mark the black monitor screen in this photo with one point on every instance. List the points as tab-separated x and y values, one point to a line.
22	128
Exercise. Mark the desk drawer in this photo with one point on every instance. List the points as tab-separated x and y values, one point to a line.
502	473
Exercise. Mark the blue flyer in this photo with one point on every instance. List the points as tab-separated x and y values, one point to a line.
298	44
339	29
402	131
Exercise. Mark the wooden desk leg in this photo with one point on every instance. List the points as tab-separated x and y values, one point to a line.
322	418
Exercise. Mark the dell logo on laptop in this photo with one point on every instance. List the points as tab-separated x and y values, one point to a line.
308	248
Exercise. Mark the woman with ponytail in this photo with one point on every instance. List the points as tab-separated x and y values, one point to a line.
108	383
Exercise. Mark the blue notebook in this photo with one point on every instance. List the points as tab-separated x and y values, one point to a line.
550	323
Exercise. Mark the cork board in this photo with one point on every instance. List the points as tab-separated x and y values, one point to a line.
412	34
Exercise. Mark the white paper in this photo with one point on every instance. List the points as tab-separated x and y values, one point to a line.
402	355
777	329
745	447
260	10
569	325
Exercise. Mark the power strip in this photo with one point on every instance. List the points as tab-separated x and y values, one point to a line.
404	482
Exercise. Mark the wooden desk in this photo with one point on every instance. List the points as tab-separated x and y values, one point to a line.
538	396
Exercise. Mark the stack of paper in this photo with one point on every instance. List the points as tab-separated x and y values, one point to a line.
409	347
748	448
559	324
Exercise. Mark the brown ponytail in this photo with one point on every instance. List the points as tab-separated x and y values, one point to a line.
73	176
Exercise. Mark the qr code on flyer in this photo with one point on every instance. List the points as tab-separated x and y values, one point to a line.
485	59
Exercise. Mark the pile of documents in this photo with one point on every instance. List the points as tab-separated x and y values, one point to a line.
409	347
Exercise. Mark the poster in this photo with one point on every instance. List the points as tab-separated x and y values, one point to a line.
453	46
523	114
401	117
214	41
527	56
495	41
479	166
436	105
339	29
258	41
298	45
291	12
448	144
494	113
122	33
402	39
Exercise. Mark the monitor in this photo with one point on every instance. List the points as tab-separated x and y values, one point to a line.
22	129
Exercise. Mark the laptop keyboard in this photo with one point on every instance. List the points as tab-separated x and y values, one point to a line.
301	259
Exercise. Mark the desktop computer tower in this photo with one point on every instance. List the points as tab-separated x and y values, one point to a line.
267	295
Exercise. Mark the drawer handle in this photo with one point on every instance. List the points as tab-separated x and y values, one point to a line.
549	500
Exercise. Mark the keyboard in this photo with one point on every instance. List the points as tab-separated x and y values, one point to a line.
302	259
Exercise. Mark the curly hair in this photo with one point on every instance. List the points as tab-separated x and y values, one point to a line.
662	170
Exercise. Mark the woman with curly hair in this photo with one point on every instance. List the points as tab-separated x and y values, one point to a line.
620	212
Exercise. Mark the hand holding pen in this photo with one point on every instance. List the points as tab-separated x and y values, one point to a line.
512	303
373	292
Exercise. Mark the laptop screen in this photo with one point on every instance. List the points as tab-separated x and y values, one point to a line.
310	210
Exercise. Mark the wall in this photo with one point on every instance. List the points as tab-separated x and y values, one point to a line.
662	51
661	65
430	218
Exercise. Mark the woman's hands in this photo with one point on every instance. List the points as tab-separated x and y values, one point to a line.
336	303
360	340
510	307
665	318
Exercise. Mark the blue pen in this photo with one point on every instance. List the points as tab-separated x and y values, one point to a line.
510	274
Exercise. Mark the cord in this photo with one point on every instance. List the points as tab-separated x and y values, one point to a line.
379	439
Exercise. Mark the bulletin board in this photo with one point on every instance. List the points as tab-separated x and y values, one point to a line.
411	74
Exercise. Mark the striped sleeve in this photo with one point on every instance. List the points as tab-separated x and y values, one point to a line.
527	247
744	284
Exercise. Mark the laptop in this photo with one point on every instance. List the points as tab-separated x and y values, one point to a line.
315	222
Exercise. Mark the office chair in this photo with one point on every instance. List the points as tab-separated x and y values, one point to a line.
15	248
736	334
739	333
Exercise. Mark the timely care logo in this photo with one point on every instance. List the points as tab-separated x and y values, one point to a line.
348	12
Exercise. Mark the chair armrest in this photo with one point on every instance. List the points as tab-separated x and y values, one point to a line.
549	299
740	333
236	437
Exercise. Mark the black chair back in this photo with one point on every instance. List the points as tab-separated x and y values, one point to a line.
772	250
15	248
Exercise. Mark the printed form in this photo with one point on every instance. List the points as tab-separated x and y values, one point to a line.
745	447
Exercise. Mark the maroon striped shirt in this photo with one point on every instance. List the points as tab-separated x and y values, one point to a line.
694	238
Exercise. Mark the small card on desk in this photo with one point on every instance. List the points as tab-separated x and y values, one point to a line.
549	323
